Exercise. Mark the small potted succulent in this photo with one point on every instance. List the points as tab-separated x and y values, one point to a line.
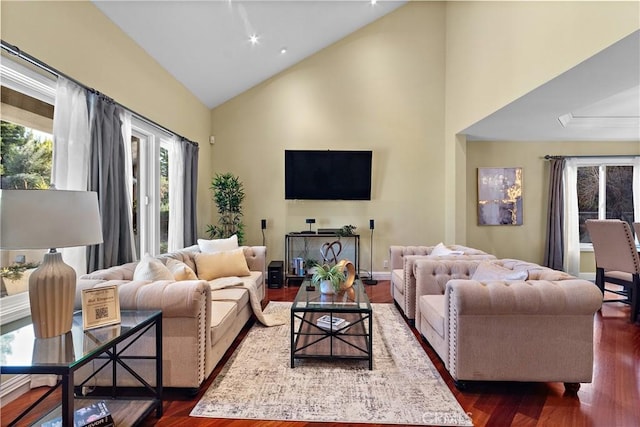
329	277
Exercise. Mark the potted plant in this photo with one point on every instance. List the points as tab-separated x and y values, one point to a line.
12	277
228	194
328	277
346	230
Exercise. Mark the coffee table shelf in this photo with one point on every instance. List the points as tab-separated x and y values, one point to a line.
308	340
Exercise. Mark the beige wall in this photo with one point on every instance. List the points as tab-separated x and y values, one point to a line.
526	241
498	51
403	87
382	89
75	38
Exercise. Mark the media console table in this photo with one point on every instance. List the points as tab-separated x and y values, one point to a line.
307	246
65	354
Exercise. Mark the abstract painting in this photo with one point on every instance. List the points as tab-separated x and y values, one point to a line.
499	196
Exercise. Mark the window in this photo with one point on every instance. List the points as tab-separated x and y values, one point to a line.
150	158
604	191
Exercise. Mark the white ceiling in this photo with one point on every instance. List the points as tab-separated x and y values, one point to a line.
205	45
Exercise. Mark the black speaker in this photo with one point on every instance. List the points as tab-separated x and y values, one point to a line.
263	223
275	273
371	224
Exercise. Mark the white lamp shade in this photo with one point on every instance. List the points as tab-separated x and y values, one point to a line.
41	219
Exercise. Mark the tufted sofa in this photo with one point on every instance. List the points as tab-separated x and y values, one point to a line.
198	324
538	329
403	281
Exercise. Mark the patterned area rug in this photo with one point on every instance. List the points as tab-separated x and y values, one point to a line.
403	388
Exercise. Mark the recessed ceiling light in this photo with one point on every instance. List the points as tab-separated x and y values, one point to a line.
283	50
373	2
253	38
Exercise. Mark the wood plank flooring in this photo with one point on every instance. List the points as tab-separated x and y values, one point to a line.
612	399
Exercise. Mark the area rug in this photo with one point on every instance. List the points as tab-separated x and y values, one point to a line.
403	388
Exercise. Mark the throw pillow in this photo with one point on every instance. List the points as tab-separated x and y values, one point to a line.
490	271
218	245
180	270
221	264
440	250
150	268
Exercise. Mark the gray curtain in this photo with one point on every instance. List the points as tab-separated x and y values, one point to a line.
554	248
190	150
107	177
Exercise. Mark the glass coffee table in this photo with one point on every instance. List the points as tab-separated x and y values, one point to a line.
337	326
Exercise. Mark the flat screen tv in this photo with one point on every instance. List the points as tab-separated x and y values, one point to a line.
327	175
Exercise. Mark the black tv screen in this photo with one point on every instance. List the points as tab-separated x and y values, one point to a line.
327	175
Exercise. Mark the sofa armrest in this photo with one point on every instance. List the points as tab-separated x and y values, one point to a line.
533	330
256	257
397	254
432	275
175	299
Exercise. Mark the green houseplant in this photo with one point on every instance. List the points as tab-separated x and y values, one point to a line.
228	194
328	277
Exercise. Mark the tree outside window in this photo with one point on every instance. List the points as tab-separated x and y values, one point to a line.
604	192
25	157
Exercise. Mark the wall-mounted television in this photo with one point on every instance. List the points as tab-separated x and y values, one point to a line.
327	175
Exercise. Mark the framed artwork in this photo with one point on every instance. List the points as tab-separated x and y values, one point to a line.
499	196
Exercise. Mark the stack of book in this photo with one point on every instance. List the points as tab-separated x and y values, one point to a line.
332	323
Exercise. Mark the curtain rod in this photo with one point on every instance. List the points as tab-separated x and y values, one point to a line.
15	50
548	156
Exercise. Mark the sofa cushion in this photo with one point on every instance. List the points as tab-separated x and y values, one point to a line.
432	310
491	271
223	316
150	268
239	296
211	266
218	245
180	270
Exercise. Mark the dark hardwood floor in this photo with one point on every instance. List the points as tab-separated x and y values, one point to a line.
612	399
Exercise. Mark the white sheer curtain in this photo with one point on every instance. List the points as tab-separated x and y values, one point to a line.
71	146
571	230
70	168
176	195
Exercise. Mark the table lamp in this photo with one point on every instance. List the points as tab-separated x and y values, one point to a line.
41	219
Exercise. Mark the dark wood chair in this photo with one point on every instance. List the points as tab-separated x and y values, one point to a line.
617	260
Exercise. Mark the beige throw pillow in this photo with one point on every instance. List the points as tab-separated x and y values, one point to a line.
490	271
218	245
221	264
150	268
180	270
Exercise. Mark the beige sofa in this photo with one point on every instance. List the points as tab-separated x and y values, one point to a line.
538	329
403	282
198	324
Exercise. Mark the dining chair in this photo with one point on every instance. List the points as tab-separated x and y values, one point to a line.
617	260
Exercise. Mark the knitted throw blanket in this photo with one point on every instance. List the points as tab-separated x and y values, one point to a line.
236	282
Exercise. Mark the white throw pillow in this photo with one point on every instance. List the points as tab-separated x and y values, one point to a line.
441	250
180	270
218	245
490	271
150	268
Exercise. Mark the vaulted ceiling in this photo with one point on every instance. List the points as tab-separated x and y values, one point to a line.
207	46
